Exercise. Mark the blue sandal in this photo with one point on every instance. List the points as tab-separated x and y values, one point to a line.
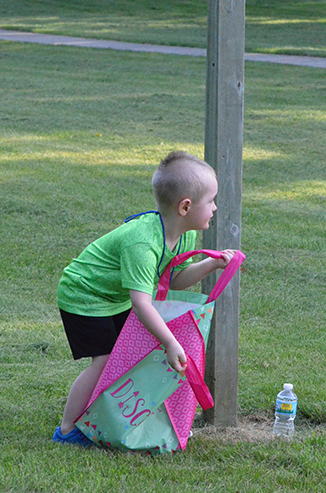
75	436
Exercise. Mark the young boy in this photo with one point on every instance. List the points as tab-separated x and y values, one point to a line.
121	270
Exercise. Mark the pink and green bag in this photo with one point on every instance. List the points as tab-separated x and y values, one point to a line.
140	403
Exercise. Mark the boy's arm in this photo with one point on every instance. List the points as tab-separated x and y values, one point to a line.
151	319
197	271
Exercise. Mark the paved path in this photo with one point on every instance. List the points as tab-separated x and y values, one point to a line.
51	39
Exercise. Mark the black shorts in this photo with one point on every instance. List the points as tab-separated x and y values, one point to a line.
92	336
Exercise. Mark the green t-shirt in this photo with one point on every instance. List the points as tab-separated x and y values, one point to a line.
97	283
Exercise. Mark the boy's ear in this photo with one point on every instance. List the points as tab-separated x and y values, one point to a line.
184	206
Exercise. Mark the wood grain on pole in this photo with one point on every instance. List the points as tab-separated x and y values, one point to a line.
223	151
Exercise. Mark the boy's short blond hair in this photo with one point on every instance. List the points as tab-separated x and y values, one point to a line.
178	176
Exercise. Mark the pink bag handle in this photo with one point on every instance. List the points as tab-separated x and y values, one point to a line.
198	385
224	279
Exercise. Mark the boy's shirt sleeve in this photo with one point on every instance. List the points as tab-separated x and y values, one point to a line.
138	268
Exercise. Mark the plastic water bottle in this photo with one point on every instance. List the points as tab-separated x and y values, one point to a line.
285	411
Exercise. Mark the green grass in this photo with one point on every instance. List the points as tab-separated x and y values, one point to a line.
208	466
272	26
81	133
286	27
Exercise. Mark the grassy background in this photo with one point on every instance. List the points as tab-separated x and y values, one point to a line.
81	132
272	26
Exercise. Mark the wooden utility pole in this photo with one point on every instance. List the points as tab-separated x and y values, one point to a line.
223	151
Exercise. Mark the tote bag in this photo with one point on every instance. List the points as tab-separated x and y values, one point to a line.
140	403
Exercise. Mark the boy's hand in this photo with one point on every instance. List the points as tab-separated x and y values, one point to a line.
226	258
176	356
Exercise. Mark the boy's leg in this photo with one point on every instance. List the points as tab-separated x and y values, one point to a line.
81	392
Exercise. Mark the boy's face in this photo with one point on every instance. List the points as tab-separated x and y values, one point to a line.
201	213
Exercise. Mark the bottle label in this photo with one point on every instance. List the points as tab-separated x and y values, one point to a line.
288	408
